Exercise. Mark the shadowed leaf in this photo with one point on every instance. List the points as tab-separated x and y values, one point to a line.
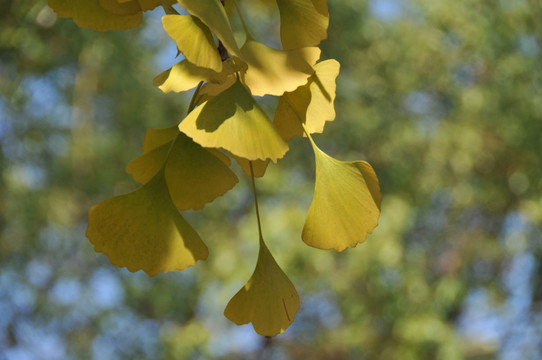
194	176
268	300
89	13
235	122
143	230
311	104
212	14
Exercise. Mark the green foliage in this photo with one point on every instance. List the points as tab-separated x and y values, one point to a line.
143	231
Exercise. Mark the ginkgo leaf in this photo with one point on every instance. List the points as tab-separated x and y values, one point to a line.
212	14
194	40
235	122
272	72
268	300
89	13
302	22
156	137
345	206
185	76
143	230
194	176
210	90
120	8
151	4
310	104
258	166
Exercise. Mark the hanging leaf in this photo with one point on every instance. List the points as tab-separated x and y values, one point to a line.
89	13
210	90
268	300
212	14
345	206
194	40
235	122
143	230
258	166
272	72
310	104
194	176
185	76
302	22
156	137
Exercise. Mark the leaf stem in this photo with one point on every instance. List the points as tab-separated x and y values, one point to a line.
256	201
242	19
168	9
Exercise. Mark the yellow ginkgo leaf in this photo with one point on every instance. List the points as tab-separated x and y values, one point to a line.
185	76
194	176
210	90
258	166
345	206
268	300
194	40
310	104
89	13
151	4
212	14
143	230
272	72
235	122
302	22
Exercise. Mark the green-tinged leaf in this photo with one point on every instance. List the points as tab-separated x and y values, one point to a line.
311	104
268	300
235	122
212	14
151	4
143	230
346	203
89	13
185	76
302	22
258	166
120	8
272	72
194	176
210	90
194	40
156	137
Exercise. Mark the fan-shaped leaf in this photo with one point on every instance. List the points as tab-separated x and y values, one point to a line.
258	166
235	122
143	230
346	203
302	22
212	14
311	104
89	13
194	40
194	176
185	76
269	300
272	72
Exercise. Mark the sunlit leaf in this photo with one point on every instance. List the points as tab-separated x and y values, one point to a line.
346	203
268	300
210	90
235	122
212	14
194	176
89	13
194	40
272	72
143	230
311	104
185	76
302	22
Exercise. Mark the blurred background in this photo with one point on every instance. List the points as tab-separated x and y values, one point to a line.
443	98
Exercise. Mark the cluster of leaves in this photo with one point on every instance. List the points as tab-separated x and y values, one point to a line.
186	166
